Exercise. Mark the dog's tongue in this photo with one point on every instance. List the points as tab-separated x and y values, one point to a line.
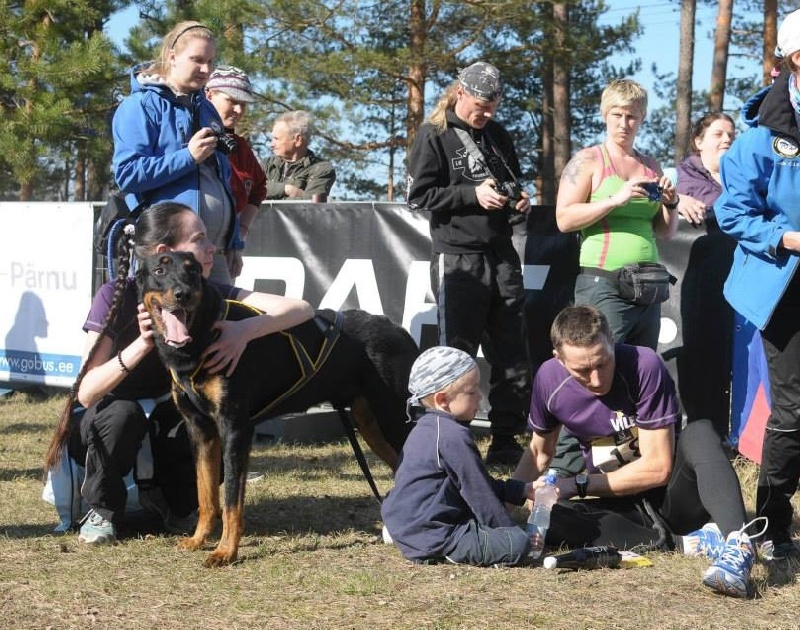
175	332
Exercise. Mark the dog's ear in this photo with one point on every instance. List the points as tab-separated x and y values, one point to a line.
143	272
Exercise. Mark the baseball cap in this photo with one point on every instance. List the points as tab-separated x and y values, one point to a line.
233	82
481	80
789	34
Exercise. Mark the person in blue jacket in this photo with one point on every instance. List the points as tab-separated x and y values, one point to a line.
166	141
760	208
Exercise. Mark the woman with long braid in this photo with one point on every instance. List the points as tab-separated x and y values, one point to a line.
122	378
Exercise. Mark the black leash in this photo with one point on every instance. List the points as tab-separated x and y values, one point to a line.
349	428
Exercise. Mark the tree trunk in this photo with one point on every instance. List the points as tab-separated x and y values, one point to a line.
546	187
79	184
417	71
683	97
770	38
719	68
562	128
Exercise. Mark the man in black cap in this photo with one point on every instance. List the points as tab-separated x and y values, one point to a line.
464	170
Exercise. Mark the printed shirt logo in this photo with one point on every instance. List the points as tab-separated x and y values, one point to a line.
785	147
470	168
618	448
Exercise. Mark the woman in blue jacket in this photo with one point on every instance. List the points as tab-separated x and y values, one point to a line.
760	208
165	144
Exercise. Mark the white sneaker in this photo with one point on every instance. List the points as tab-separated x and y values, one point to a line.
95	530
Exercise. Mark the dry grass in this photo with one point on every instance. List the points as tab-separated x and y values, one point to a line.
312	559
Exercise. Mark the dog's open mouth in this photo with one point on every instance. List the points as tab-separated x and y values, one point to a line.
176	333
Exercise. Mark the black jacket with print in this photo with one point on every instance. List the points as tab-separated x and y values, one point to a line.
442	177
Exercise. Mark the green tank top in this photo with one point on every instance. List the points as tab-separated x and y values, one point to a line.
625	235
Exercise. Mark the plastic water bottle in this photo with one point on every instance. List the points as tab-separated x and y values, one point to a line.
539	519
586	558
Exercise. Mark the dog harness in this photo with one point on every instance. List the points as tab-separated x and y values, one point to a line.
329	324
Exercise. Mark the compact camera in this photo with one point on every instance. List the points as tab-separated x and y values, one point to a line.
226	143
653	191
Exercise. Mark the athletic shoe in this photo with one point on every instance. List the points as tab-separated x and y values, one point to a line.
95	530
706	541
152	500
787	550
387	537
730	573
503	451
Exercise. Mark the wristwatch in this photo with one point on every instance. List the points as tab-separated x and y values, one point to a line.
582	484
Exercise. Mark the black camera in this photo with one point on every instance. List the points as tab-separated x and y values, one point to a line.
513	192
226	143
653	191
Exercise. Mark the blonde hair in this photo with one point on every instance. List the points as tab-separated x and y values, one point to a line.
176	40
438	117
623	93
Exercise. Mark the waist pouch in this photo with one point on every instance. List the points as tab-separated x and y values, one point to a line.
644	283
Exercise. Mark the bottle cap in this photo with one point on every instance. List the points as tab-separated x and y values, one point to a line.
551	476
550	562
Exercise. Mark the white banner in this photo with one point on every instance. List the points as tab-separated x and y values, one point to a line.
46	284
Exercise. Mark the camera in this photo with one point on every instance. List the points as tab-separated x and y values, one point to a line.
226	143
513	192
653	191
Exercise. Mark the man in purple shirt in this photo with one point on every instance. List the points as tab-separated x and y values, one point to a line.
619	402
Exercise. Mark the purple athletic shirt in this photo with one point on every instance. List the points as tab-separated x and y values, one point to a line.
642	396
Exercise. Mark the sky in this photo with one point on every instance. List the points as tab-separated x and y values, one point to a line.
660	43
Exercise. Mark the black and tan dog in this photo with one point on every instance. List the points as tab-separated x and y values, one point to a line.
350	359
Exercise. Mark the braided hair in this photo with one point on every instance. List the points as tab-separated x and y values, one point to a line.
158	224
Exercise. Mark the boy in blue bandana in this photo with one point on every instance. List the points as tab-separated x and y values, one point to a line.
444	505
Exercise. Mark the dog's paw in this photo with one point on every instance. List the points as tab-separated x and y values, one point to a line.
190	544
219	559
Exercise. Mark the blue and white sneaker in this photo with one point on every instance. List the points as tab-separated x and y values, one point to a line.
730	573
707	541
95	530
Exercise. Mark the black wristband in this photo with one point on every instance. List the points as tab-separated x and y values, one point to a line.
122	365
670	206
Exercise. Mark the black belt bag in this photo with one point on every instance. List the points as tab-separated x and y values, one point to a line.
644	283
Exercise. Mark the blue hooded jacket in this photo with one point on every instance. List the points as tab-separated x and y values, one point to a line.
151	129
759	203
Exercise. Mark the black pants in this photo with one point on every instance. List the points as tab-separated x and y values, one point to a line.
705	361
780	455
107	441
703	487
480	301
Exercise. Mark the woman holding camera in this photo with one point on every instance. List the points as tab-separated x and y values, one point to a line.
620	201
166	141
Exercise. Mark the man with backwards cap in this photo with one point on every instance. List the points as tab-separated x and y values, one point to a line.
230	91
460	167
444	505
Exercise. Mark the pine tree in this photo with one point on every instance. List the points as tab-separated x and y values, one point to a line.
55	93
